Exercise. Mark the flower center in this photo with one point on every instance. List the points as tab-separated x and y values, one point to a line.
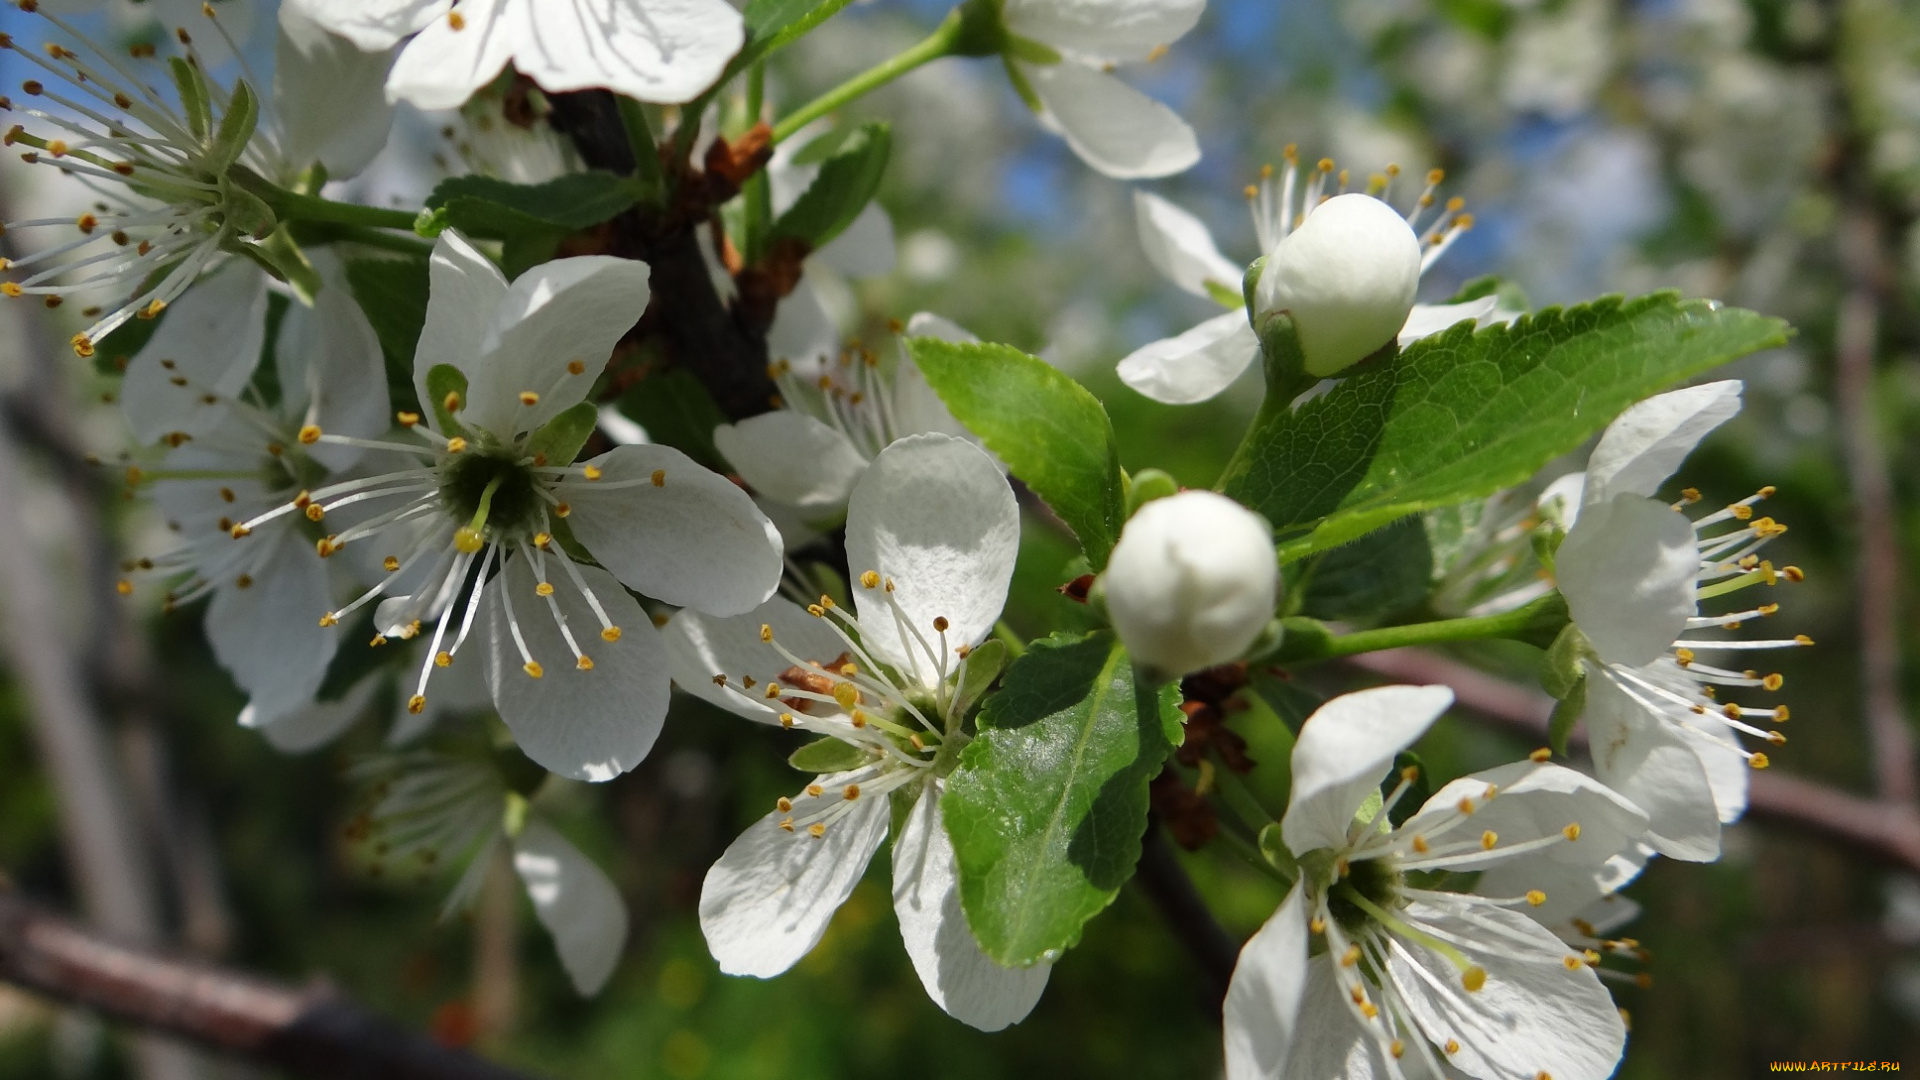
1377	881
496	482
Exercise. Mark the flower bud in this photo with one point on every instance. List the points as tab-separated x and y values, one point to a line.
1347	276
1192	582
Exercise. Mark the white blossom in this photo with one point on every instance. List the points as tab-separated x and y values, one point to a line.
932	529
170	166
1316	272
667	51
1366	971
466	523
1192	582
1634	571
1110	125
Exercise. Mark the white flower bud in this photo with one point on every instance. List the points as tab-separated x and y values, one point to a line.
1347	276
1192	582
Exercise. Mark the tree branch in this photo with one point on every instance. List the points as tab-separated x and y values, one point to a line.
1885	830
1186	912
313	1031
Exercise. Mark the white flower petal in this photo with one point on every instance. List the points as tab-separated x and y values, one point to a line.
1428	319
1532	1016
370	24
1726	768
268	635
1196	365
864	249
917	409
556	317
327	95
1536	801
587	725
665	51
792	457
1181	248
1650	440
465	289
1113	127
1338	1048
939	524
1637	754
803	332
959	977
1344	749
683	534
442	67
332	371
1263	1000
704	646
575	901
1627	571
768	900
209	343
1108	29
315	726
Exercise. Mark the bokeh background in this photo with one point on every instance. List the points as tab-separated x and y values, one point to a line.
1762	152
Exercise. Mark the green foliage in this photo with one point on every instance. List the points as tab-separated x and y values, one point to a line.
484	206
774	24
447	383
677	411
1385	571
393	294
1051	432
852	162
1048	806
1465	413
559	440
828	755
236	128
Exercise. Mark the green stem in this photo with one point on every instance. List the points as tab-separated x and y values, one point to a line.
385	240
293	206
1537	623
934	46
1015	646
646	155
758	191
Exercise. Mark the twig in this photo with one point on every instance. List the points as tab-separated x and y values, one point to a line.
313	1031
1878	563
1885	830
1212	948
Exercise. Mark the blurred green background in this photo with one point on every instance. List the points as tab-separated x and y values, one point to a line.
1762	152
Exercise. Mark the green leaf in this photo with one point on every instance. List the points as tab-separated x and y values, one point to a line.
393	294
447	383
1565	712
1385	571
774	24
984	664
1465	413
677	411
194	102
848	177
1562	667
559	440
828	755
1147	485
1048	806
236	128
1051	432
484	206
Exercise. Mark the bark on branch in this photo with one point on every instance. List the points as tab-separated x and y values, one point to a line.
313	1032
1888	831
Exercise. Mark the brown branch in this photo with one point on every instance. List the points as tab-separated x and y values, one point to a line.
314	1032
1884	830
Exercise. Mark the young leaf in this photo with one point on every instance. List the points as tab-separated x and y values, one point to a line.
484	206
236	128
828	755
1385	571
1048	806
1464	413
1565	712
848	177
559	440
393	294
1051	432
447	389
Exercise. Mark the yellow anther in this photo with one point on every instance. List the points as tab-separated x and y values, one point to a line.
378	640
415	704
850	792
1768	609
849	669
544	588
1571	962
82	344
659	478
611	633
542	540
1474	978
533	668
1488	839
1802	639
889	584
784	805
773	691
1781	714
456	445
591	472
1369	1010
1250	191
390	564
720	680
817	830
787	824
468	540
826	601
1396	1048
123	587
1342	867
1465	804
442	659
1410	773
1420	843
561	510
407	419
766	632
786	719
1740	511
1543	754
815	790
451	402
1452	1047
315	511
310	434
584	663
940	624
11	289
816	611
846	695
1759	761
1572	831
1592	958
1156	53
244	581
1730	711
239	531
748	681
576	367
529	398
1536	897
1793	574
1350	957
870	579
329	619
1318	925
1683	656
